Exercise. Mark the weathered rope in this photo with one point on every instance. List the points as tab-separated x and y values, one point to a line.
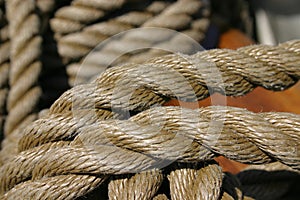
70	151
189	17
25	69
259	138
195	77
74	17
114	147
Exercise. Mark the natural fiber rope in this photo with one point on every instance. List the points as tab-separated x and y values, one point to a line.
247	129
74	17
258	138
24	92
40	177
156	14
195	76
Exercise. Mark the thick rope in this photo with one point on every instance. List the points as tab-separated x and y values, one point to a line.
24	93
189	20
256	141
195	76
74	17
250	130
91	145
206	184
139	186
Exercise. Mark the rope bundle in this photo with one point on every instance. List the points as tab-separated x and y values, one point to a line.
75	40
73	143
45	35
110	137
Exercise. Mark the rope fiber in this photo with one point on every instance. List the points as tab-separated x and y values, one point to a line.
111	137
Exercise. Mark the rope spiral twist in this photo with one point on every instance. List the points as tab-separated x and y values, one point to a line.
73	143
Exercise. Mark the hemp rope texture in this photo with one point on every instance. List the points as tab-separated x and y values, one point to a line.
89	156
273	118
46	83
190	19
297	50
25	49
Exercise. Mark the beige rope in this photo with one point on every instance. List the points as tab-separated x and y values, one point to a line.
206	184
25	68
74	17
156	14
247	129
257	138
71	151
24	94
256	126
240	71
140	186
62	187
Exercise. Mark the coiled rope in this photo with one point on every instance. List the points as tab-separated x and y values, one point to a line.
158	136
25	51
114	147
76	41
37	72
105	153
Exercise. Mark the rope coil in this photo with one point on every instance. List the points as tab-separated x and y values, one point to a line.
258	138
89	141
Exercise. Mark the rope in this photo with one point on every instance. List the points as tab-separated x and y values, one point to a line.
206	183
195	76
139	186
96	147
24	93
71	151
74	17
247	128
190	19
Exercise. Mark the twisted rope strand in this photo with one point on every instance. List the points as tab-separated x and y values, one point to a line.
140	186
87	39
171	132
24	93
193	76
256	139
102	97
64	187
82	12
203	183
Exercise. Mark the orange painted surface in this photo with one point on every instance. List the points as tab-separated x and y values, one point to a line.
259	100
